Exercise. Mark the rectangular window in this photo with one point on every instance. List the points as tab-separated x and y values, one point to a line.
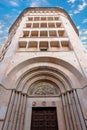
32	44
34	33
28	25
58	25
43	34
50	18
22	44
43	25
62	33
43	45
30	18
43	18
36	18
26	34
54	45
51	25
52	33
65	45
56	18
35	25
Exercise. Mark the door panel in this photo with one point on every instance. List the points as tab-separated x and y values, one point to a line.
44	118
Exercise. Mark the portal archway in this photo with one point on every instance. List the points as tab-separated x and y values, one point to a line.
61	67
50	83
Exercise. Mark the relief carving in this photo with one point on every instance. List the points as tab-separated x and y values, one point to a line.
44	88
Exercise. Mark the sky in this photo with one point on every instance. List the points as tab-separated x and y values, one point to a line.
10	9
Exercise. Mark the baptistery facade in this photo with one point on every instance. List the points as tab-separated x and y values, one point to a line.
43	73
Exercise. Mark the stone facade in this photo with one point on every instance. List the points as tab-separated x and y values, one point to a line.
43	64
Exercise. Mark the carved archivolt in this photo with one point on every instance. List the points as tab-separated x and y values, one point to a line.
44	88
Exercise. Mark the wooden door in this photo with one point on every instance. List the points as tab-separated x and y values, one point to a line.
44	118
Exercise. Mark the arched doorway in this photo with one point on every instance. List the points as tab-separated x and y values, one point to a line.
45	86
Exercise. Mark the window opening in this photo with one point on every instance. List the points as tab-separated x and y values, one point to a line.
43	34
43	45
52	33
43	25
22	44
34	33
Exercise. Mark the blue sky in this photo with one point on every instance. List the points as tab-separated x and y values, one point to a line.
10	9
